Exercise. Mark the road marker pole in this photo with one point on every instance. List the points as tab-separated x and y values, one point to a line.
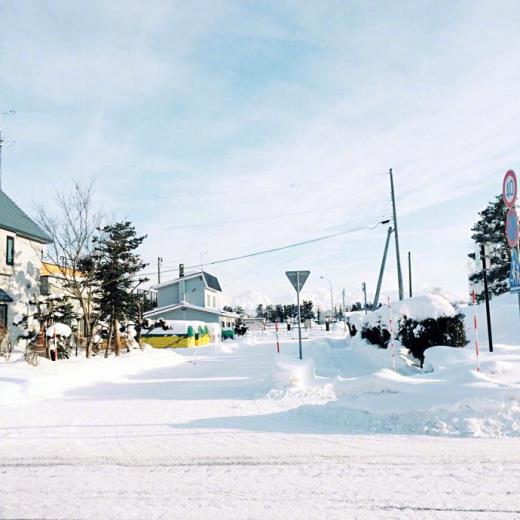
277	342
475	326
392	343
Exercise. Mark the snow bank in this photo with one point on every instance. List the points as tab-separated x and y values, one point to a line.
290	372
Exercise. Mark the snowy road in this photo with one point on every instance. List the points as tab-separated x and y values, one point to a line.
203	438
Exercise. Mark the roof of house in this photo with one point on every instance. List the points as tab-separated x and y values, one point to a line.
211	281
185	305
14	219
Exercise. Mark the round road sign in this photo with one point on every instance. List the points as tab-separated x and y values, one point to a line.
509	188
512	227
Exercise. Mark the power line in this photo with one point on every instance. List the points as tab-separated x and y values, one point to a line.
206	225
274	249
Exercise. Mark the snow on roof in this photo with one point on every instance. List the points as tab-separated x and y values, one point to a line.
176	327
186	305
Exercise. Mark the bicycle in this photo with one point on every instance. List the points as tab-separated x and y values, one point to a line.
32	357
6	347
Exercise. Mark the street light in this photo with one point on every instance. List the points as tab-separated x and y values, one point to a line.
331	298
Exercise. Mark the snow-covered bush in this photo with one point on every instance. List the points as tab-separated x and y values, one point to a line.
419	323
376	334
417	336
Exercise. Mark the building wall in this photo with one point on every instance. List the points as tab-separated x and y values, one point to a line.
168	295
22	280
194	289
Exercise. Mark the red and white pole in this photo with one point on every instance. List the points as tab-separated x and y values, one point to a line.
277	342
392	344
475	327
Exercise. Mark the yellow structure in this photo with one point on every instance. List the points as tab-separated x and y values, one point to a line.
182	334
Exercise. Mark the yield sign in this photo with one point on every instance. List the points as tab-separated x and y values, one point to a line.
298	278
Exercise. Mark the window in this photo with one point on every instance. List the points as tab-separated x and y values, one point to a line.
3	316
44	286
215	302
208	300
9	254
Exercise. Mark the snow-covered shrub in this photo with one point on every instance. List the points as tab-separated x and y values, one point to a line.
376	334
419	323
417	336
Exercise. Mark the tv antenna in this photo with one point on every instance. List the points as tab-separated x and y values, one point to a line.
2	141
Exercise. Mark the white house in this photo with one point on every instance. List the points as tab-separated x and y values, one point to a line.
23	242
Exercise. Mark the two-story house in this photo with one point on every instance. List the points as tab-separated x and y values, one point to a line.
22	242
196	296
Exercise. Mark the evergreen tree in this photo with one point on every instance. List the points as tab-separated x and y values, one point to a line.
239	310
116	265
227	308
260	313
490	230
306	310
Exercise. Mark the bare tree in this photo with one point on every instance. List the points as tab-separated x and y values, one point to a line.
72	227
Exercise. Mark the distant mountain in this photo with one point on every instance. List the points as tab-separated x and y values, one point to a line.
249	300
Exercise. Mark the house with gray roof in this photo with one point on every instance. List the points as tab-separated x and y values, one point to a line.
21	249
196	296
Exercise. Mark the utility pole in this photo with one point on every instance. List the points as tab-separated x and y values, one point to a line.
364	286
486	294
397	253
344	312
159	262
9	113
410	273
382	269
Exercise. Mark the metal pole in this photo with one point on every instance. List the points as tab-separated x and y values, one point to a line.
1	143
365	295
332	306
299	315
345	312
410	272
159	262
486	294
382	269
397	254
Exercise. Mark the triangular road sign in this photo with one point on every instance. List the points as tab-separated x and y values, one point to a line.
298	278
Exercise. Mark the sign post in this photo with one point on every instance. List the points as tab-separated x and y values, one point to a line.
298	279
509	196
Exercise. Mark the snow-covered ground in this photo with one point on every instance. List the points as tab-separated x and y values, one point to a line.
240	431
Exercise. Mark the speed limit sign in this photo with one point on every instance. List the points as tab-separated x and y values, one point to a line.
509	188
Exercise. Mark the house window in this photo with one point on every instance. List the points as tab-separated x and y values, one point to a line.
3	316
208	300
215	302
44	285
9	254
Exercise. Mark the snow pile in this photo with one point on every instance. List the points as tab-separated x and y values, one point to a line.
290	372
176	327
418	308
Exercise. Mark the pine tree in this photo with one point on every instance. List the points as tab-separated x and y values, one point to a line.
116	265
490	230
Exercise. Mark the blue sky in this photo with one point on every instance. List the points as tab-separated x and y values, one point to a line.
193	114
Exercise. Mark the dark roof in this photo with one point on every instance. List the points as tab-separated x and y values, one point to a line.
4	297
12	218
212	281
